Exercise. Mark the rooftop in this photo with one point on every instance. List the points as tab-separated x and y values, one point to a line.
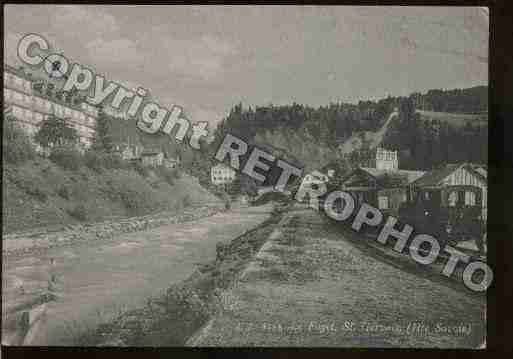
434	177
74	104
397	177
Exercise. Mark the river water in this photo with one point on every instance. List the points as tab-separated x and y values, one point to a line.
95	280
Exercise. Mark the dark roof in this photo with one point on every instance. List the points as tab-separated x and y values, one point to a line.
150	152
386	178
434	177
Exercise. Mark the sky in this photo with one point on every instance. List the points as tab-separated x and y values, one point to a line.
209	58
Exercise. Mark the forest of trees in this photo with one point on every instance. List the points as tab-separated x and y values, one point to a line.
309	137
471	100
335	122
431	144
312	134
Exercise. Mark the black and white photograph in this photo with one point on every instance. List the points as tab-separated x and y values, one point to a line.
245	176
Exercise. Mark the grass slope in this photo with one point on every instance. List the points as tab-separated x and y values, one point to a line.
39	193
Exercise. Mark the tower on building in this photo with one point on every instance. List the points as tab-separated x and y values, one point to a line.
386	160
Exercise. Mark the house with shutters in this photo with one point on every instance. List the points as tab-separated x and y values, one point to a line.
454	185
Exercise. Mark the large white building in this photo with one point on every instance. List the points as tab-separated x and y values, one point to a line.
31	106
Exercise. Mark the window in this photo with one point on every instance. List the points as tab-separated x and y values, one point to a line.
453	198
18	96
7	94
383	202
470	198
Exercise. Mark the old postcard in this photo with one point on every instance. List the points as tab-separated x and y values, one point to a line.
245	176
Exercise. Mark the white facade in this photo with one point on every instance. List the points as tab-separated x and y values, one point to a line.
315	177
462	176
386	160
172	162
30	109
222	174
153	159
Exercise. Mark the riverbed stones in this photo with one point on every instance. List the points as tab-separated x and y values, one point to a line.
36	240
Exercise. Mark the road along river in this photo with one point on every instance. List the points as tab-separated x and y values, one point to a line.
93	281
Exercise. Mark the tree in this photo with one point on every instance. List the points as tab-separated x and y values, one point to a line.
16	145
55	131
102	139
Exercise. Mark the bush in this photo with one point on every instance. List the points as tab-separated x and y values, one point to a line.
16	145
102	160
78	212
64	192
140	169
186	201
169	175
113	161
31	187
136	194
67	157
93	160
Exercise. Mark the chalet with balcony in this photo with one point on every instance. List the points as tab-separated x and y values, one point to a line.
384	186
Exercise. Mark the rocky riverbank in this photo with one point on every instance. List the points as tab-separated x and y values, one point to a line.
28	242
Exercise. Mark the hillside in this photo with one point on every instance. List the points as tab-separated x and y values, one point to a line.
415	125
40	193
372	139
455	119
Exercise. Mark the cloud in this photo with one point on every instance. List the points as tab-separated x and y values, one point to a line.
202	57
11	40
117	52
91	20
201	114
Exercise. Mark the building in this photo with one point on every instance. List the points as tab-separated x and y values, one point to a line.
386	160
33	101
384	186
152	158
315	177
454	186
221	174
171	163
128	152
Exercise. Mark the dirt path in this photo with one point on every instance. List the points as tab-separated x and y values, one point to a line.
93	281
310	286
